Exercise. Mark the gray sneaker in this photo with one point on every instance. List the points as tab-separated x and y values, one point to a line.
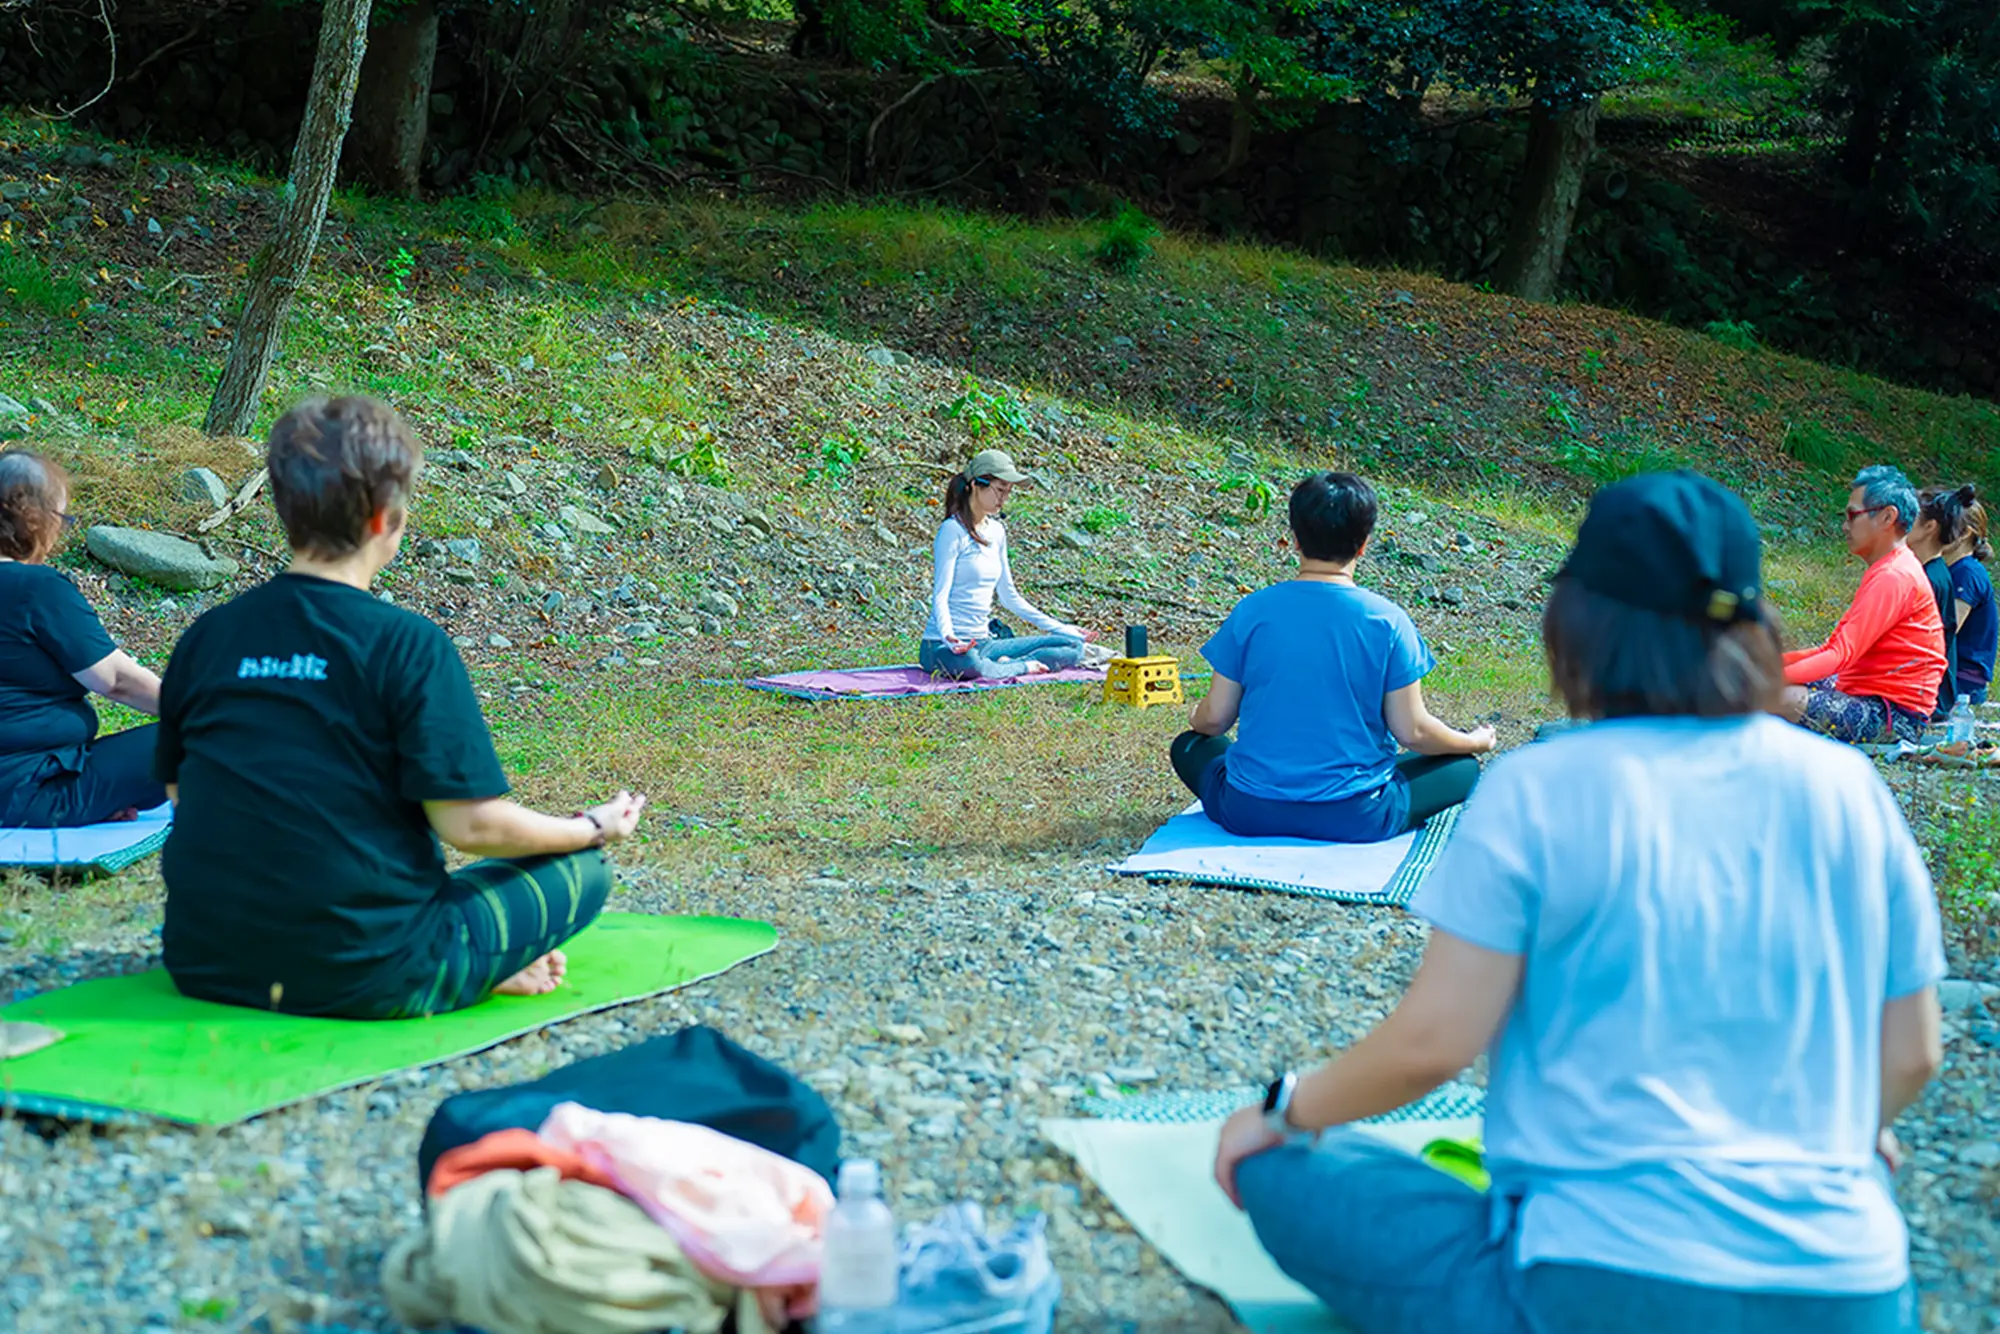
959	1280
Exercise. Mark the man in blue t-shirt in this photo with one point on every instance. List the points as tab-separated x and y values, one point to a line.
1321	679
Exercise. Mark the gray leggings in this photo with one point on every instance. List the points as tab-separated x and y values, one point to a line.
1393	1246
998	659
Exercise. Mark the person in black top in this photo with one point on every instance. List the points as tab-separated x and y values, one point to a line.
319	742
55	771
1940	523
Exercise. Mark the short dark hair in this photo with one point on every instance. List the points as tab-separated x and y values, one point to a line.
1332	515
1608	659
32	491
335	464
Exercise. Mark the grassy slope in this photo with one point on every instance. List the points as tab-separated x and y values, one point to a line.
1218	364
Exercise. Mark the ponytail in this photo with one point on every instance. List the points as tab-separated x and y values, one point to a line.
1952	511
958	504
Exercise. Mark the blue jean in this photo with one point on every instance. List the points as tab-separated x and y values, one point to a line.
998	659
1393	1246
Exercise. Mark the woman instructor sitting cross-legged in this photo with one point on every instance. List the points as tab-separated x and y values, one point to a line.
319	742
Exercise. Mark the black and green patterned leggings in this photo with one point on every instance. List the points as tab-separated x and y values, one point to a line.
511	914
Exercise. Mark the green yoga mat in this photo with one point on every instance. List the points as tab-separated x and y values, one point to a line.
134	1048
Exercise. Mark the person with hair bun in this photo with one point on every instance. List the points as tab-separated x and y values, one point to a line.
1700	951
320	743
1940	523
1972	589
56	772
970	571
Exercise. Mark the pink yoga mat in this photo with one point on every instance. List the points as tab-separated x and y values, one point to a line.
899	682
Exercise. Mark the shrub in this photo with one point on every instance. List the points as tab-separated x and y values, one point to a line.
1739	334
1127	241
1818	448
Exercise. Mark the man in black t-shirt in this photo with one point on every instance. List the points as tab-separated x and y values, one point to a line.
318	743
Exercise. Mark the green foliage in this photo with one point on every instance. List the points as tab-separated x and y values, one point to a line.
1099	518
1127	241
1966	855
399	267
983	414
838	456
1818	448
1739	334
1257	492
28	284
699	460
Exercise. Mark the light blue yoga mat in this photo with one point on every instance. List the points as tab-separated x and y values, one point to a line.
92	847
1193	847
1153	1155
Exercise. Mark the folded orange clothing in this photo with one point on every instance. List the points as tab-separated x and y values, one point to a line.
515	1149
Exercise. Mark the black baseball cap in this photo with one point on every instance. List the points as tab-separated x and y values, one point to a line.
1672	542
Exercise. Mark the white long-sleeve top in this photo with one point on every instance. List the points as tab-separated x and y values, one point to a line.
966	579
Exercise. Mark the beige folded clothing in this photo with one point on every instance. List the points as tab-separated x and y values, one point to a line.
532	1253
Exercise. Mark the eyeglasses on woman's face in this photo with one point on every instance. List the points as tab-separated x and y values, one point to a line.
1002	489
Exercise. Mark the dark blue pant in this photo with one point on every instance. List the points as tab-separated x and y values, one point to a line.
117	776
1394	1246
1422	786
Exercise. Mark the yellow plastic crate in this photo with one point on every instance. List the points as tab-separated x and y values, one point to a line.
1143	681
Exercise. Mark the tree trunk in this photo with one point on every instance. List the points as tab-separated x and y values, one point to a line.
1561	138
275	277
392	105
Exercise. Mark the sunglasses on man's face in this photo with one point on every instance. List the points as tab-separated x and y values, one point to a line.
1854	514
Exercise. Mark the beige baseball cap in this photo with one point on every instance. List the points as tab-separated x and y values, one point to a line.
997	464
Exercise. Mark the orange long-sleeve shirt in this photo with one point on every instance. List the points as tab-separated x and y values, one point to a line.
1890	644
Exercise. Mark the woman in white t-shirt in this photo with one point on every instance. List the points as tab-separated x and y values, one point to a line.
972	572
1702	951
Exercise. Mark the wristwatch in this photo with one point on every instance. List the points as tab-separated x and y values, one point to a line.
1278	1105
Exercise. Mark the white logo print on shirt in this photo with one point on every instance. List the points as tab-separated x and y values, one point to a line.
298	667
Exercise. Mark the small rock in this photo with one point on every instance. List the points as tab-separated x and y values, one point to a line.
459	574
515	486
463	460
764	525
498	641
617	359
153	227
606	479
716	603
1958	994
12	407
1075	539
158	558
1981	1156
463	641
553	532
640	630
888	356
907	1034
15	191
466	549
708	625
1132	1074
886	535
553	603
1452	597
202	487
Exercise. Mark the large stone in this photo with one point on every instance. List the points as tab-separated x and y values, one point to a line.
158	558
13	407
464	549
583	521
201	486
716	603
889	356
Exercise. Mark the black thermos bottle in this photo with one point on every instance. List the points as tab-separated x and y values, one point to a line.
1135	641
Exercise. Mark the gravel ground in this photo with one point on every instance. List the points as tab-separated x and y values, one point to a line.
945	1011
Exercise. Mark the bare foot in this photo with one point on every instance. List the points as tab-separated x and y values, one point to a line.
121	817
538	978
1032	668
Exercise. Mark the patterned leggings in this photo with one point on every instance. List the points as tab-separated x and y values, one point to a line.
511	914
1859	719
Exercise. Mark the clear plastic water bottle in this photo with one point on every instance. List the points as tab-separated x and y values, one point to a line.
858	1273
1960	726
